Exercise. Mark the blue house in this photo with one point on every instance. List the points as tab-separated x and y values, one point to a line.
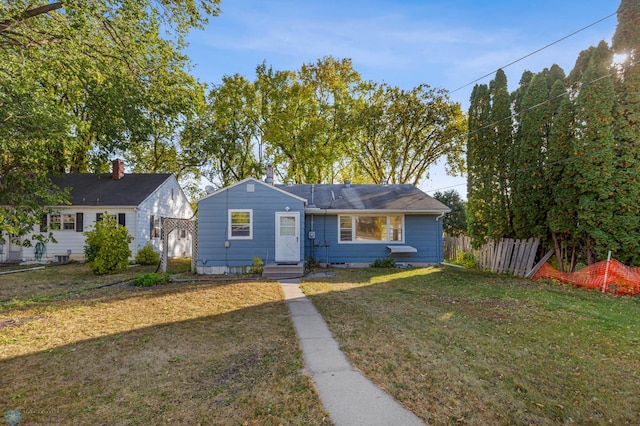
333	224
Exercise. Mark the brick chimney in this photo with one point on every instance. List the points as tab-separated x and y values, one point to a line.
117	169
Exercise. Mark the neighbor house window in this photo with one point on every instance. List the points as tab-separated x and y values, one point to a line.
154	225
55	222
65	222
375	228
241	224
69	221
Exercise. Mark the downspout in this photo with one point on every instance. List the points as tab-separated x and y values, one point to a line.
439	238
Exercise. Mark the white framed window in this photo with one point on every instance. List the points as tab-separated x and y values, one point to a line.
55	222
154	226
240	224
69	222
370	228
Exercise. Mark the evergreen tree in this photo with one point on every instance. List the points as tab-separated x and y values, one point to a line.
530	200
500	220
596	163
562	215
626	43
478	150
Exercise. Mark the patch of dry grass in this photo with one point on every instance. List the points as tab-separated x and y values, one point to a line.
463	347
60	281
199	353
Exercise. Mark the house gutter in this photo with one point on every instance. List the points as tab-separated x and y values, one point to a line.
312	210
439	237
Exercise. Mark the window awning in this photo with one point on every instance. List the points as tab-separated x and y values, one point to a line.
402	249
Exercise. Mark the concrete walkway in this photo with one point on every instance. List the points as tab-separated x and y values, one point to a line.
348	396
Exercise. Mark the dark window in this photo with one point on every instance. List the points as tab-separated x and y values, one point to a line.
121	219
79	222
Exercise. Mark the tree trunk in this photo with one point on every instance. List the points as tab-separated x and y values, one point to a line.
558	251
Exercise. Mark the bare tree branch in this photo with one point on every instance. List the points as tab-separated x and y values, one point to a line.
27	14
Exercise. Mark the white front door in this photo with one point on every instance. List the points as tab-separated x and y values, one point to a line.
287	237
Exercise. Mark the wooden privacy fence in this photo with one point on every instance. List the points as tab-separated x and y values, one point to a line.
507	256
454	244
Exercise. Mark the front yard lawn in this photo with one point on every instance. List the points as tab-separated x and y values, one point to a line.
464	347
180	353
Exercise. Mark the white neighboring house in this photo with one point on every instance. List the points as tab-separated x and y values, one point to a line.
136	200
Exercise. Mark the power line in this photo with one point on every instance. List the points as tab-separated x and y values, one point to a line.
534	52
512	116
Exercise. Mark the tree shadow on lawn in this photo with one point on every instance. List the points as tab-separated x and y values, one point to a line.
221	353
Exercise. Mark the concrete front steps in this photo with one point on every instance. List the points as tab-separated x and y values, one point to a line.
283	270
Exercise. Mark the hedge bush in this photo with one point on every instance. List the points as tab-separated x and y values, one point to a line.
147	256
107	246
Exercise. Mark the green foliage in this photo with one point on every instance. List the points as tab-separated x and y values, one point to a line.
387	262
151	279
455	222
256	267
84	79
320	124
478	172
560	159
107	246
147	256
465	259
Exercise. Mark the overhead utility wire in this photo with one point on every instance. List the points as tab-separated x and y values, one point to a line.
534	52
512	116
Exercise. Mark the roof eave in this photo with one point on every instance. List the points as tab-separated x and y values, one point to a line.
375	211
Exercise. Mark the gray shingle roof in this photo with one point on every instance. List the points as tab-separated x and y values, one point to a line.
366	197
101	190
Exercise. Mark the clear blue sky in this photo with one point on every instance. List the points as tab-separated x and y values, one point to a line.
404	43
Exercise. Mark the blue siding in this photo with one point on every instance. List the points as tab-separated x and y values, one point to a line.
421	231
265	201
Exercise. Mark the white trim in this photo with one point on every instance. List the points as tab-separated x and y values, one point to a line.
278	251
253	180
229	234
365	213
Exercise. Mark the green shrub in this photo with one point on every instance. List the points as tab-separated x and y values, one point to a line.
147	256
256	268
387	262
465	259
107	246
151	279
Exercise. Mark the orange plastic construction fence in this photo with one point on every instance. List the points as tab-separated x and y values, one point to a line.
610	276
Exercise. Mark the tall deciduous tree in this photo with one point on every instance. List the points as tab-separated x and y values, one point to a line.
226	135
402	133
76	84
321	123
308	126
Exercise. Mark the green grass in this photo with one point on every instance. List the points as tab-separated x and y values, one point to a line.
464	347
181	353
57	282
